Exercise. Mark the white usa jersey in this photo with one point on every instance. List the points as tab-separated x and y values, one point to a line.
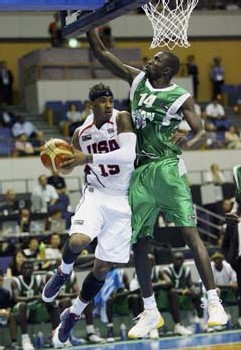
113	178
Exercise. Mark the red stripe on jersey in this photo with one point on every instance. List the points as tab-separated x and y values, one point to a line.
87	127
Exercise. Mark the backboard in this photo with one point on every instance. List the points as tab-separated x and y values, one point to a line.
50	5
80	21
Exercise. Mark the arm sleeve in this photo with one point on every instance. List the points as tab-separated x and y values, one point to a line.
125	154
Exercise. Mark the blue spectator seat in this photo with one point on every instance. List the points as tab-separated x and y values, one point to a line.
55	105
56	110
220	135
231	93
239	94
117	104
126	104
6	142
78	103
222	124
121	104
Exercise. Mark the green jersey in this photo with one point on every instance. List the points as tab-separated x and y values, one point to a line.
31	289
156	115
179	279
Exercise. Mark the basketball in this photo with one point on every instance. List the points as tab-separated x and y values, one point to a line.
53	153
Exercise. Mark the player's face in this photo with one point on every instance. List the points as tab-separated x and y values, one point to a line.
178	262
103	107
218	263
154	68
27	269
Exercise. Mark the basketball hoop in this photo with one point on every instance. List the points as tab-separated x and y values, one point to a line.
170	19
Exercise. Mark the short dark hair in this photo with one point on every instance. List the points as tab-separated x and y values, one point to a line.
97	89
173	62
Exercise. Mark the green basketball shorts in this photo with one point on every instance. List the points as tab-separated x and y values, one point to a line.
160	186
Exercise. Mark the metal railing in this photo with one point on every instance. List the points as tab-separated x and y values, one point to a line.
208	224
74	183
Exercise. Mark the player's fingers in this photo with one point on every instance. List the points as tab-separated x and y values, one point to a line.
67	163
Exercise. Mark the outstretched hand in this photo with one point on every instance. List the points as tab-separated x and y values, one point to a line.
232	218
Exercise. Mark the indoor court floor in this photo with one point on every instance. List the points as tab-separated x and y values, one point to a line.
229	340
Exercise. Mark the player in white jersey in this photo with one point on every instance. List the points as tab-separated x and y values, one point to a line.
105	144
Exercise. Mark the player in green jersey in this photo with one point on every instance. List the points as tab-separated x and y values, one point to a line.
159	182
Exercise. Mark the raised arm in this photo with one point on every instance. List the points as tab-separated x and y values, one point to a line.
109	61
195	123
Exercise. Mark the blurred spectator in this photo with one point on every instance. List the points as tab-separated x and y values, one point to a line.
74	118
192	71
55	222
22	146
43	196
18	259
6	84
217	77
29	307
53	251
33	248
22	126
10	205
214	110
233	6
6	315
87	110
215	113
6	118
215	175
37	142
57	181
225	278
180	276
24	220
105	34
63	203
211	136
56	37
232	139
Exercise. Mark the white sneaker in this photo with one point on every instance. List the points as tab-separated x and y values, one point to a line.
94	338
181	330
217	314
148	320
26	342
154	334
55	339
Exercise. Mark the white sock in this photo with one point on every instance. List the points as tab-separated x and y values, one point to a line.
66	268
90	329
212	296
78	306
149	303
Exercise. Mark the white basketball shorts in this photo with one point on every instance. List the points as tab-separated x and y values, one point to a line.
107	217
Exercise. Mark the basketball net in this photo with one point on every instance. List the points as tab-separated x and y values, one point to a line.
169	19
